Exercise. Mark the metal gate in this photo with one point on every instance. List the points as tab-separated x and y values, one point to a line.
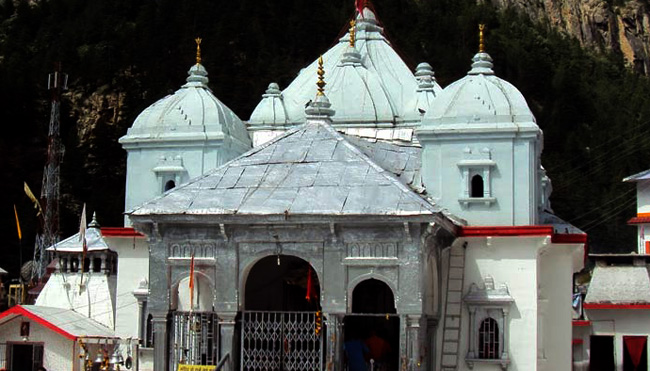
194	338
280	341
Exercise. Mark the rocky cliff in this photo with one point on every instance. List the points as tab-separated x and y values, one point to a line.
621	26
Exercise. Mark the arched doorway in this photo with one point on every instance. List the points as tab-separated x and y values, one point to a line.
373	325
281	326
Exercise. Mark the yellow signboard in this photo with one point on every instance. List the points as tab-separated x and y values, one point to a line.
196	368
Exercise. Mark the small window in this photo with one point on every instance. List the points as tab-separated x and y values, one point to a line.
169	185
488	339
74	265
97	265
149	334
86	265
477	186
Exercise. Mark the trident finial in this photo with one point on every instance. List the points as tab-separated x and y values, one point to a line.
353	32
321	80
481	38
198	50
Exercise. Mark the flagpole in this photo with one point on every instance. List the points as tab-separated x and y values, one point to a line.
82	239
20	245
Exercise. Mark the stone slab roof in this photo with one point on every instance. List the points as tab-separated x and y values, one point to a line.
619	285
404	162
310	170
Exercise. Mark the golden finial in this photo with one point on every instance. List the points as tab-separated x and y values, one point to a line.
321	80
353	32
481	38
198	50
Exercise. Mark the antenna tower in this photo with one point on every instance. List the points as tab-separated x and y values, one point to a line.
57	82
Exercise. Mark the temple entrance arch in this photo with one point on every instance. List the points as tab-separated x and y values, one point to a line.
281	327
374	323
291	285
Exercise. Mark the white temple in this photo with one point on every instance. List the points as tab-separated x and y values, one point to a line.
363	195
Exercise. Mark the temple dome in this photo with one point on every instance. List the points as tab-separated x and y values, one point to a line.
270	111
191	113
391	78
481	99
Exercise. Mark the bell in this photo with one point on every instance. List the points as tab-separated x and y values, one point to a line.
100	358
116	359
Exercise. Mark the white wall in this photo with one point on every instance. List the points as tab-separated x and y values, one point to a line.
59	353
555	288
133	266
513	261
513	181
96	299
643	196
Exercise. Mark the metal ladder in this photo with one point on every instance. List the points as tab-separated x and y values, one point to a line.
453	309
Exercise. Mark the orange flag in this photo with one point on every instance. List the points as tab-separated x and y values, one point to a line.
192	282
20	234
309	284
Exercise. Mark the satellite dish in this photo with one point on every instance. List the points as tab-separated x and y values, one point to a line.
26	271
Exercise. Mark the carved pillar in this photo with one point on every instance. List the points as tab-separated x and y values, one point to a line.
161	347
504	332
334	342
403	344
414	342
227	337
471	354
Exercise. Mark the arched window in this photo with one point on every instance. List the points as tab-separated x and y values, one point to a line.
477	186
488	339
169	185
148	341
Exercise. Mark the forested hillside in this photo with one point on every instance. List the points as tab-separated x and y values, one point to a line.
122	55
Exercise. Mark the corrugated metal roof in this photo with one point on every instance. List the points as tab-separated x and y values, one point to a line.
63	321
644	175
619	285
310	170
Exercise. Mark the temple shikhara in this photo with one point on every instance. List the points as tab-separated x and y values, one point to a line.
363	218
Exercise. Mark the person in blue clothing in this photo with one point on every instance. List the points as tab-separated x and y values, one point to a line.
357	352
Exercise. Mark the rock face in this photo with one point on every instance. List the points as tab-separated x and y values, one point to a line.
617	25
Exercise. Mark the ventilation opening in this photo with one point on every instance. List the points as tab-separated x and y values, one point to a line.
477	186
169	185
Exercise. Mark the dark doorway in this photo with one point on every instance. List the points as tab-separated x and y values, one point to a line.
291	285
373	296
373	326
635	353
601	354
26	357
282	326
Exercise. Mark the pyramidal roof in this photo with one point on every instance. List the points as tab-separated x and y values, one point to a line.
94	240
311	170
389	91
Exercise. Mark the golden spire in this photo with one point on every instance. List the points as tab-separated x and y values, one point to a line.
481	38
353	32
321	80
198	50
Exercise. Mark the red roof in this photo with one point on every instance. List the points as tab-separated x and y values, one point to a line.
639	220
120	232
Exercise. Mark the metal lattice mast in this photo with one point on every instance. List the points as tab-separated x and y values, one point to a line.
57	82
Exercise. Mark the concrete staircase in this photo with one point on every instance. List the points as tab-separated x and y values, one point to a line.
453	303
